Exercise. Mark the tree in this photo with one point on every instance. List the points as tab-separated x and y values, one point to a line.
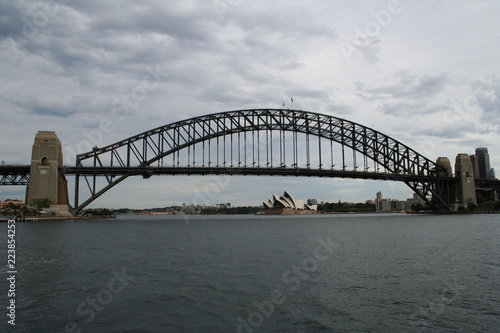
471	206
43	203
417	207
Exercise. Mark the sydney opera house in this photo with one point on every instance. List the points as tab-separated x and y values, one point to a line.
287	205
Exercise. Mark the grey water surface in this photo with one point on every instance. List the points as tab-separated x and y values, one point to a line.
228	273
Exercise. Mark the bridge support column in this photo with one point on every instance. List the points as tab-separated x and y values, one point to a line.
446	190
464	171
47	185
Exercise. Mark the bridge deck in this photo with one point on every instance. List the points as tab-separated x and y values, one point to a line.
11	169
302	172
14	174
19	174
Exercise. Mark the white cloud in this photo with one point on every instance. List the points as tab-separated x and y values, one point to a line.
428	76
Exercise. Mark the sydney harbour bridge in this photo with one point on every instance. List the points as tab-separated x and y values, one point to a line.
260	142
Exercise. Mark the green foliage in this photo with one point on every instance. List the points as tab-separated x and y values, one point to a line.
346	207
471	206
496	206
461	209
99	212
43	203
14	210
230	210
418	207
485	206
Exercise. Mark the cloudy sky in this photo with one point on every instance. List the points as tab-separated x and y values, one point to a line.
423	72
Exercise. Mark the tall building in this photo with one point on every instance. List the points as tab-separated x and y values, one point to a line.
387	205
378	201
483	160
415	201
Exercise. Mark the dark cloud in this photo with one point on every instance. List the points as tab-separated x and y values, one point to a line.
112	36
14	16
56	107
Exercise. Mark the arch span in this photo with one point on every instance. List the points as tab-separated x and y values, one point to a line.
260	142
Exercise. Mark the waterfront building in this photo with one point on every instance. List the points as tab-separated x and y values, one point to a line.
483	159
287	205
377	201
387	205
11	202
415	201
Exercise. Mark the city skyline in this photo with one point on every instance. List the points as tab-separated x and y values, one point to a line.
99	72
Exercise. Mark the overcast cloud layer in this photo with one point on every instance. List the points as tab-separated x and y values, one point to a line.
423	72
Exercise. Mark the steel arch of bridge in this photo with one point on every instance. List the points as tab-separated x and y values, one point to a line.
137	155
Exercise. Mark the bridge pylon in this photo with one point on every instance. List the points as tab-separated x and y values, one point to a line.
47	184
446	190
462	191
464	171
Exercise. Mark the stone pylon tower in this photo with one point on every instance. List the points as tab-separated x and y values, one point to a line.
446	191
46	182
466	191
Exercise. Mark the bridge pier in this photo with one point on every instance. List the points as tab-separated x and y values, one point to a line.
47	185
463	191
446	190
464	171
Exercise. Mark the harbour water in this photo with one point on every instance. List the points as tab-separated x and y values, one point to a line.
323	273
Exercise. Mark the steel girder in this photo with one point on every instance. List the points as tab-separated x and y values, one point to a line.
488	184
14	174
155	145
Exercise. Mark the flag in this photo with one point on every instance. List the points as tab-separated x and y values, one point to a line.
291	99
283	104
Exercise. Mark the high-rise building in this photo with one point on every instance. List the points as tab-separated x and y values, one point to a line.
378	201
483	159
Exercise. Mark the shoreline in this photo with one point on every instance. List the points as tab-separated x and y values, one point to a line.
54	218
62	218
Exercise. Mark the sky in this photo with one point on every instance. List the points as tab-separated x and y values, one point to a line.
423	72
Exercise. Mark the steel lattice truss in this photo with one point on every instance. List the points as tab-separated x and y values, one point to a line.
260	142
487	184
14	175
